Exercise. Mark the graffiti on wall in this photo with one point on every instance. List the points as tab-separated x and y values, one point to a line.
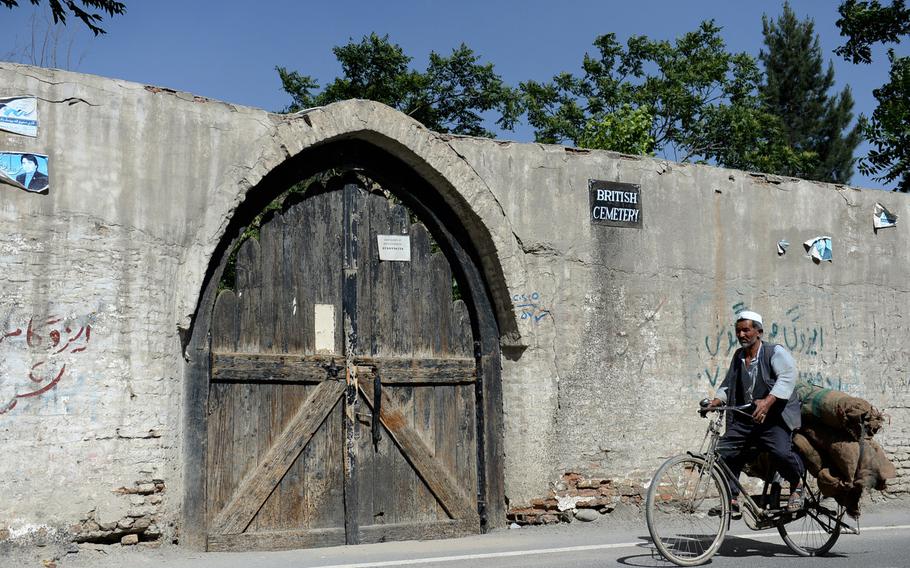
36	355
529	307
800	337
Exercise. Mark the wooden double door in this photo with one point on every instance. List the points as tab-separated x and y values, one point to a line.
342	392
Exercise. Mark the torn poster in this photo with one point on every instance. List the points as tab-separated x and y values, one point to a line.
883	218
19	115
782	247
819	248
26	171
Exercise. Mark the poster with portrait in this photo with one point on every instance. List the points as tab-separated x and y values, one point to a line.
25	170
19	115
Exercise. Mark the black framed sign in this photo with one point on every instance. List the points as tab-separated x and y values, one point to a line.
615	204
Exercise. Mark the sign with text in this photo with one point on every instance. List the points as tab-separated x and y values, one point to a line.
394	247
615	204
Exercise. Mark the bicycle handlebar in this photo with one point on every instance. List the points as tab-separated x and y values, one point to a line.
745	409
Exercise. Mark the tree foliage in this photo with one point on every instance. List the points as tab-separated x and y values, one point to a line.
626	130
865	24
60	9
796	90
451	95
702	102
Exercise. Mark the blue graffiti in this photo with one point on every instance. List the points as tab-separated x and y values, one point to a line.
529	307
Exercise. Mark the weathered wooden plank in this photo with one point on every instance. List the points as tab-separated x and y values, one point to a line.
393	482
463	337
421	292
307	245
249	291
294	320
440	482
465	405
444	416
270	288
276	540
323	474
441	304
245	420
322	263
291	490
270	425
425	332
418	531
257	485
395	498
327	261
401	370
374	217
220	448
225	322
253	367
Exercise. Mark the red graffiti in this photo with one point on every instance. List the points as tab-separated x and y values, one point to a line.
61	340
46	387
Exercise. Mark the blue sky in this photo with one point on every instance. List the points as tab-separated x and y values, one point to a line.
228	50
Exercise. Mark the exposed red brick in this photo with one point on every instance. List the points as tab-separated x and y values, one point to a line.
547	504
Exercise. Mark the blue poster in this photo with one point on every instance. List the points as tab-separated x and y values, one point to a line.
19	115
24	170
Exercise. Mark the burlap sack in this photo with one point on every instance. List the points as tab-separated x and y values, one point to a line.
845	494
825	454
838	452
840	411
811	457
875	469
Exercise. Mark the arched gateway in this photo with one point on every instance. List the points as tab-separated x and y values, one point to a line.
361	297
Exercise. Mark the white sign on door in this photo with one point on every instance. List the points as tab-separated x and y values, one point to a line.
394	247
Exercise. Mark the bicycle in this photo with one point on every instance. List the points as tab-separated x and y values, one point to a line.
688	508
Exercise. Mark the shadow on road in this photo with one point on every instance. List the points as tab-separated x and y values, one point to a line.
732	547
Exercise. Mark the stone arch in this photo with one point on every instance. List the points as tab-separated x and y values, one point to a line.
428	154
443	190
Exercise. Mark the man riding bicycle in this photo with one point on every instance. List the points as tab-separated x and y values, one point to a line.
763	374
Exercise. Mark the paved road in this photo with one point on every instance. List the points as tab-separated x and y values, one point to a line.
884	543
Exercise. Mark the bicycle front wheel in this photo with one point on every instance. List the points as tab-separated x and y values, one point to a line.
687	510
815	529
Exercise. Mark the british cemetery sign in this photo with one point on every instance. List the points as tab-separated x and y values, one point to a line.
615	204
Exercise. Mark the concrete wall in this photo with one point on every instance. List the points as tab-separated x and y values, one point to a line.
628	328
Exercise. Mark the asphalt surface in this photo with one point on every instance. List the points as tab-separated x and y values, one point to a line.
620	540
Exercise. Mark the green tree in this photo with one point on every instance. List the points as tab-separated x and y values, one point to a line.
796	89
701	103
626	130
61	8
865	24
451	95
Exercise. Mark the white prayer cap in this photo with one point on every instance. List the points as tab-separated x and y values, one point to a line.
747	315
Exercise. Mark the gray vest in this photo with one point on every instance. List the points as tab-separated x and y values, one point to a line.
737	373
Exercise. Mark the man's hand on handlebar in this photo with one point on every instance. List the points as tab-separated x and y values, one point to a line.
707	404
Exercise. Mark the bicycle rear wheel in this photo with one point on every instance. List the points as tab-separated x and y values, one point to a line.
816	528
678	510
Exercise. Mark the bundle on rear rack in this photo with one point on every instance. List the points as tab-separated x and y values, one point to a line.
837	446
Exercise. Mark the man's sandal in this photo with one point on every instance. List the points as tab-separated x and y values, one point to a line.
796	501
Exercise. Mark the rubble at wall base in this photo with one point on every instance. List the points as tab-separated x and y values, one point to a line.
575	492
